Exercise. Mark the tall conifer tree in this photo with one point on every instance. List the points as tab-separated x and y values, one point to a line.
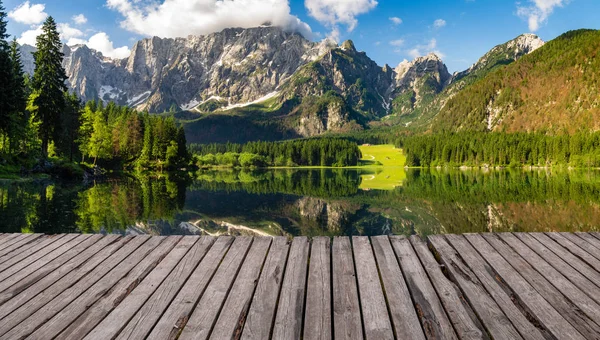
48	84
5	75
18	116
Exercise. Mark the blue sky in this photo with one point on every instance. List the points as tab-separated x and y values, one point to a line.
388	30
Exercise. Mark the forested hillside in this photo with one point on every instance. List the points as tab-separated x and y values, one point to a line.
554	89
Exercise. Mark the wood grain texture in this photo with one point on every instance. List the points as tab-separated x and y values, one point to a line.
492	304
566	255
176	316
145	319
230	323
404	317
44	306
376	319
139	264
429	308
464	320
24	243
259	322
347	321
561	265
36	283
317	317
576	246
9	239
204	316
547	315
566	298
290	312
127	292
592	241
51	252
41	249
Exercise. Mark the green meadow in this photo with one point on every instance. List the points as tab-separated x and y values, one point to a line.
383	167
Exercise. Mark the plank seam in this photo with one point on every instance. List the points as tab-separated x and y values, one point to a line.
212	327
240	328
287	257
308	258
531	317
410	292
360	308
387	302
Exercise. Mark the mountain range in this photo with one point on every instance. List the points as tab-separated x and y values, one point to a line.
266	83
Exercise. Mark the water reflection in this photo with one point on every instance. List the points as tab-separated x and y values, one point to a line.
309	202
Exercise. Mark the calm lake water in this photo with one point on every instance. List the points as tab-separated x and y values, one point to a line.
309	202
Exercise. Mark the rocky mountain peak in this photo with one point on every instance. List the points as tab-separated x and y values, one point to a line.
525	43
348	45
408	71
504	53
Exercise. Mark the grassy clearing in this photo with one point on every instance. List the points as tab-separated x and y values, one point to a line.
384	167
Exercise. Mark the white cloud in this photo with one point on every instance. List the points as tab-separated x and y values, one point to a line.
67	32
397	43
538	12
439	23
29	14
422	50
101	42
28	37
333	13
396	20
79	19
180	18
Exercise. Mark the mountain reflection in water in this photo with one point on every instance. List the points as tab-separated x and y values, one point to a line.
308	202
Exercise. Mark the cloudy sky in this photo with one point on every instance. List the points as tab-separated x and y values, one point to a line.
390	31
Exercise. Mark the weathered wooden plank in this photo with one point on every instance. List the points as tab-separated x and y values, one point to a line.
110	327
125	292
429	308
9	239
593	241
204	316
35	272
548	315
566	255
14	249
376	319
595	234
464	320
262	310
113	286
290	312
404	317
347	322
230	323
36	266
576	246
52	284
559	264
317	318
493	305
30	316
573	306
41	249
144	320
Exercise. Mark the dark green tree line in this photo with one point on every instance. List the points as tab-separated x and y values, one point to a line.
311	152
503	149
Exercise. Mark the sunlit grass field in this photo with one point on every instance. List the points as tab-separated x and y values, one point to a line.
383	167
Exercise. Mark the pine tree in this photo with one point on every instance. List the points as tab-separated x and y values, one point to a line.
49	84
18	117
5	76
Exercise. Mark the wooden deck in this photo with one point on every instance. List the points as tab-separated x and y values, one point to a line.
476	286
